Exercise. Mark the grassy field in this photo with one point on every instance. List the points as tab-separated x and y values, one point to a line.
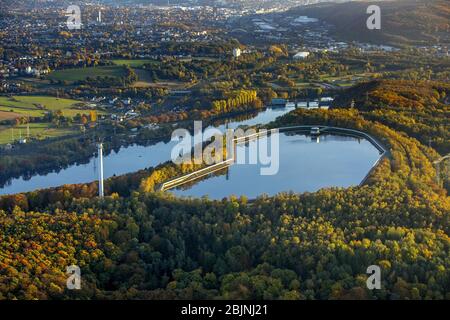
133	63
117	70
144	79
352	78
37	130
73	75
36	106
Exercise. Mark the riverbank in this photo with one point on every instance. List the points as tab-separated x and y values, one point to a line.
74	161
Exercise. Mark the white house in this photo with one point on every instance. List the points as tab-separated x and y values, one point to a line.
301	55
237	52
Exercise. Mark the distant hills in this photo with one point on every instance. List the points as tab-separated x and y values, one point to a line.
403	22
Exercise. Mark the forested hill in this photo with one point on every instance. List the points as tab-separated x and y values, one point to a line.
408	22
421	109
292	246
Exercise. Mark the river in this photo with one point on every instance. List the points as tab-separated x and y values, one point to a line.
126	160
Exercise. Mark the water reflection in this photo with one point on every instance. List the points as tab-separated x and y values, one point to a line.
306	164
122	160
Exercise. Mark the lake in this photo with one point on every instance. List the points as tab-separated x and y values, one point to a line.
305	164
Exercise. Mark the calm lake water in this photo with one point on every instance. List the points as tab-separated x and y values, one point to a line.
126	160
305	164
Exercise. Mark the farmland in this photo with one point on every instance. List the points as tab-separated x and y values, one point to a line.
79	74
36	106
36	130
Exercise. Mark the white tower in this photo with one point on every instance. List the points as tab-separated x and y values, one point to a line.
237	52
100	172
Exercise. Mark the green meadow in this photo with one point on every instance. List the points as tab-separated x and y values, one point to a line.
79	74
133	63
37	130
116	70
144	78
36	106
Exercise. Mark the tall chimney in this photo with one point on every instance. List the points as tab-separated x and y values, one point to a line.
100	174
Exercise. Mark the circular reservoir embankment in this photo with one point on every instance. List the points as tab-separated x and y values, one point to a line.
306	163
